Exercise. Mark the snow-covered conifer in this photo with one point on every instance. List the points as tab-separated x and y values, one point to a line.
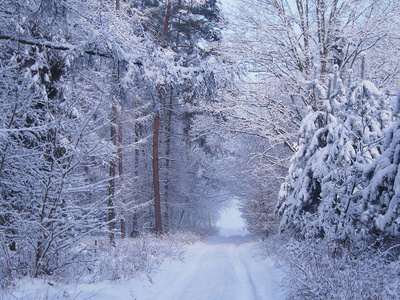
381	196
317	196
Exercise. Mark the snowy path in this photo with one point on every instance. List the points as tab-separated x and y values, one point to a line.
224	267
219	273
221	268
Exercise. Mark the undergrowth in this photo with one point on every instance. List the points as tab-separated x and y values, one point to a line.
95	259
324	269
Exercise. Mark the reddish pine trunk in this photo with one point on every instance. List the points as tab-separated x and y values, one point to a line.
167	19
156	178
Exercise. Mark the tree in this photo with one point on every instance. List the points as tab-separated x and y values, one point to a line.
182	29
54	144
45	204
302	41
380	200
317	197
68	78
280	49
298	36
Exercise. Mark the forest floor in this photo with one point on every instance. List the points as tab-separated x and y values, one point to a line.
224	266
227	266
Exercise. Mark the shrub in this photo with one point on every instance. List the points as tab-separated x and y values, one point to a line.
325	269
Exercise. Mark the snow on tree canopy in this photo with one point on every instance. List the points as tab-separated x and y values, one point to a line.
396	111
317	195
381	197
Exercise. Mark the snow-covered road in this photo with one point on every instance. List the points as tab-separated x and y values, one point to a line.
222	267
226	266
218	272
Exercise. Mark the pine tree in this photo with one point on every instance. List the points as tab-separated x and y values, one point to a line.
183	31
318	195
380	200
57	91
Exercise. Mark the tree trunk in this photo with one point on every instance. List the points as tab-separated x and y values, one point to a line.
167	16
167	162
180	219
119	149
120	164
135	230
156	178
111	190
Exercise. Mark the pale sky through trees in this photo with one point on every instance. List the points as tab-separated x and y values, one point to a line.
230	221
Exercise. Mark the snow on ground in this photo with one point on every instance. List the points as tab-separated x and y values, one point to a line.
224	266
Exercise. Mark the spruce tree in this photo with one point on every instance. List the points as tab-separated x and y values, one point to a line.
318	197
381	197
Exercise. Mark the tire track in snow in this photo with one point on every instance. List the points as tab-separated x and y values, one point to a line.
246	274
221	274
182	280
214	277
222	268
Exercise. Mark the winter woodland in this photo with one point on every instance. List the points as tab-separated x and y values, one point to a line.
126	126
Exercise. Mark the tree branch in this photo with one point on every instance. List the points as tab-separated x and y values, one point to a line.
53	45
59	46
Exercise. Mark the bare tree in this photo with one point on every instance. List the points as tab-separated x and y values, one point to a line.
289	43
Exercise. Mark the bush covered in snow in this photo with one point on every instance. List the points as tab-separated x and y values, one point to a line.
381	196
323	269
131	257
95	259
341	198
322	190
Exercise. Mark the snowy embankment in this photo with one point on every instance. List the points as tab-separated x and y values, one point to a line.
225	266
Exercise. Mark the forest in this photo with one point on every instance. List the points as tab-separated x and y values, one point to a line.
127	126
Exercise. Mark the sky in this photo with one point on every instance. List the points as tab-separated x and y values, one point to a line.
231	222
